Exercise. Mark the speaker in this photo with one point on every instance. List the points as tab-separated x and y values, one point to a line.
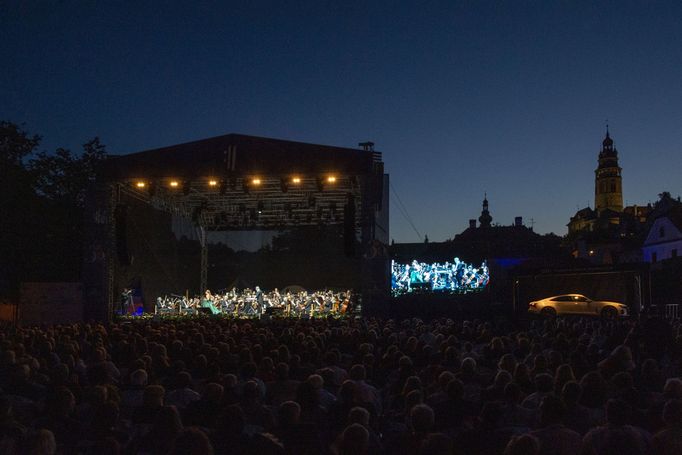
121	228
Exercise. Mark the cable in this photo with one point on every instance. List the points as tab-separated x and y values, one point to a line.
403	210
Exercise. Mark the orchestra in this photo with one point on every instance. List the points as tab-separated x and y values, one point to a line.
254	303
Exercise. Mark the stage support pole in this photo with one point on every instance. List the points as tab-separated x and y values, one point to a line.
203	279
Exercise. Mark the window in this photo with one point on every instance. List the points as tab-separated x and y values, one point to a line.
661	231
613	187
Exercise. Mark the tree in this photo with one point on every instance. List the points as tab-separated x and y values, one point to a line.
18	204
42	196
15	145
65	177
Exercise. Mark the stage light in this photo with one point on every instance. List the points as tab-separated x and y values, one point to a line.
256	181
296	180
212	183
331	179
174	183
140	184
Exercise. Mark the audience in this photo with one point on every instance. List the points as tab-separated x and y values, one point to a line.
341	386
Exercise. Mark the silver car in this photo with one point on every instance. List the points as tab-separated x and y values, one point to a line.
577	304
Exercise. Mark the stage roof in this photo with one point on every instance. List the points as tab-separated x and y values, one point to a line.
239	154
237	182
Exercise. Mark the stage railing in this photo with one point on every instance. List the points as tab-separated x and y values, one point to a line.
672	311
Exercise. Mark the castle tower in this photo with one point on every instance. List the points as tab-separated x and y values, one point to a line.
608	190
485	218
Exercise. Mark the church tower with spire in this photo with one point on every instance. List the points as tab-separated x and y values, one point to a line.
608	190
485	219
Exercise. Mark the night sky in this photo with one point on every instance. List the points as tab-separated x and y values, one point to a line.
509	98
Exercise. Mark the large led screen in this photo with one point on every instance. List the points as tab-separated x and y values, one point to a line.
456	277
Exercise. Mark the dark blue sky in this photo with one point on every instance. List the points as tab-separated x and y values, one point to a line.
462	97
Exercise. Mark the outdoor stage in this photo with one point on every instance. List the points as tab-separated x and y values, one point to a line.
176	220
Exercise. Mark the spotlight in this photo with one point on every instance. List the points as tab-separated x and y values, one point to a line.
296	180
140	184
331	179
212	182
256	181
174	183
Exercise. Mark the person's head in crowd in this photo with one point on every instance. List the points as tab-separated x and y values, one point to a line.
468	366
564	374
617	412
571	393
412	383
63	403
316	381
436	444
672	413
213	392
354	440
507	363
358	372
138	378
105	416
524	444
412	399
359	415
444	379
502	378
249	370
422	418
250	392
544	383
230	381
620	359
289	414
307	395
331	358
594	389
282	371
153	396
192	441
232	421
552	410
347	391
490	414
39	442
622	380
673	389
522	374
183	380
455	390
512	393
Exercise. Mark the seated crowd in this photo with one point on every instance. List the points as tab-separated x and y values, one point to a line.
342	386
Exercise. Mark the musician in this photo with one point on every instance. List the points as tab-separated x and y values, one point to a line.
208	302
126	301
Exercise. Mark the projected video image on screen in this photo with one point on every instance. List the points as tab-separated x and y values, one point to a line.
446	277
